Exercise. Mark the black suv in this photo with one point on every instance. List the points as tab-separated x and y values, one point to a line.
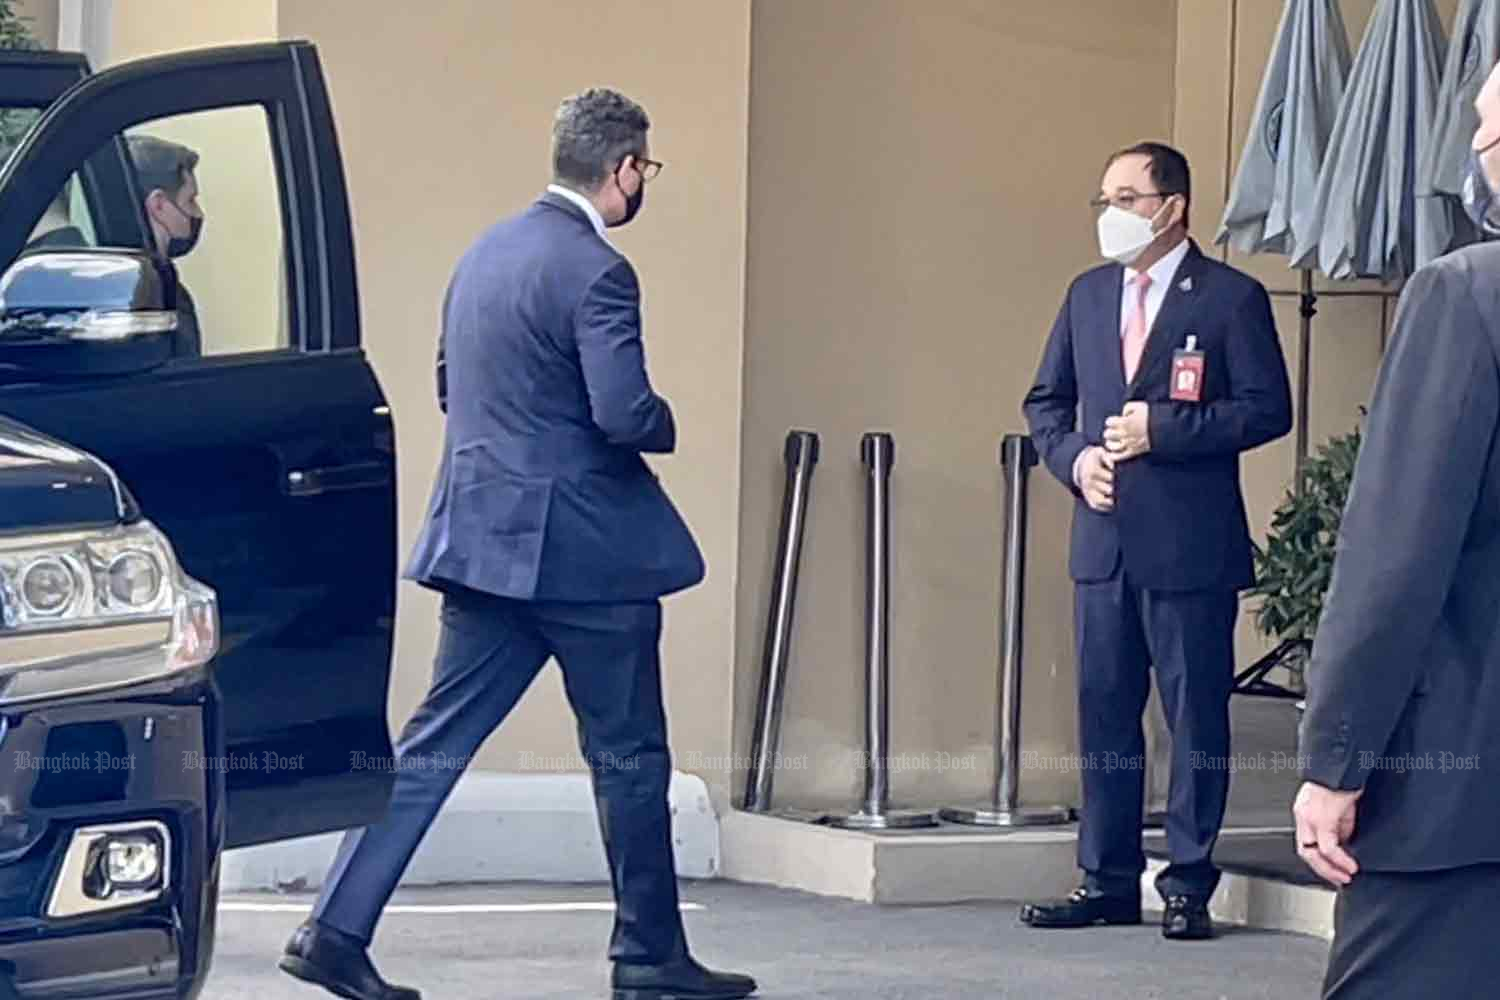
197	554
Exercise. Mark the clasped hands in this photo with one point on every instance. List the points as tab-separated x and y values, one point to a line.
1125	437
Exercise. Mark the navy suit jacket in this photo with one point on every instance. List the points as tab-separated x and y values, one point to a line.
1179	520
543	493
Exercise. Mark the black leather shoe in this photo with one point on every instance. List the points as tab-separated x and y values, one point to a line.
1186	920
1083	908
683	979
337	962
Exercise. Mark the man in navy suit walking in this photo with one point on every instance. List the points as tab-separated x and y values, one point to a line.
548	536
1175	362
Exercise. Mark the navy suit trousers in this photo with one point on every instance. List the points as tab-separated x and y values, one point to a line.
1122	632
490	651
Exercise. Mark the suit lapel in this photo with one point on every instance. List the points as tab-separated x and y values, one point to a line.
1110	294
1171	320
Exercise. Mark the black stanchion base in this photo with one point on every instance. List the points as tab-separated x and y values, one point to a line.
1252	680
990	814
811	816
896	819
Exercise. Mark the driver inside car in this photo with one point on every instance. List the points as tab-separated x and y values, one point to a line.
167	175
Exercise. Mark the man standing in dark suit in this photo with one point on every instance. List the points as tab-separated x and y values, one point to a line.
1403	708
1176	364
548	536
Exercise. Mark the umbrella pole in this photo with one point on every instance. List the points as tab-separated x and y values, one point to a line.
1308	310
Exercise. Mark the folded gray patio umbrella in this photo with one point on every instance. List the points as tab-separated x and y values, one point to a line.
1272	205
1472	50
1368	216
1276	186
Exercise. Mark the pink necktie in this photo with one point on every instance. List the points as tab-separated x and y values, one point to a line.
1134	340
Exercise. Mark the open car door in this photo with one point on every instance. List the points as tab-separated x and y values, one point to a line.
266	451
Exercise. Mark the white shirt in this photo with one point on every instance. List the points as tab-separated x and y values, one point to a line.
1162	273
583	203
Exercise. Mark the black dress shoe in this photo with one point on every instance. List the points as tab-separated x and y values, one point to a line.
1186	920
337	962
683	979
1083	908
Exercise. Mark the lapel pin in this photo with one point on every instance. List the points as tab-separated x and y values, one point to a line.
1186	284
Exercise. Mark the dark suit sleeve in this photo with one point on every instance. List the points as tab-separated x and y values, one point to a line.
187	340
1051	407
1259	404
1416	483
608	333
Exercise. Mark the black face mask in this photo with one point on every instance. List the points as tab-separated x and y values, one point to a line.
632	202
179	246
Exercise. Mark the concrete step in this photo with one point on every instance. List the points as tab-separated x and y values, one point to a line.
497	827
951	864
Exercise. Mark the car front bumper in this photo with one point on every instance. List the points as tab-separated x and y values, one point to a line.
76	776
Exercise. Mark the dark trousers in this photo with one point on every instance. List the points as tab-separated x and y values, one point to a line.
489	652
1414	935
1122	632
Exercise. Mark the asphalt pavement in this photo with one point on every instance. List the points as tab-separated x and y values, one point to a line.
548	941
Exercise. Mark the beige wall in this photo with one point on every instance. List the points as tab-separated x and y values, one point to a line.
1225	46
870	212
41	17
919	187
444	113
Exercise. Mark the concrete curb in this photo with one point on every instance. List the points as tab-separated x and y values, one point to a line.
497	827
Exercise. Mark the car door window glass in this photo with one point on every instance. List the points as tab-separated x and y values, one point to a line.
213	203
67	223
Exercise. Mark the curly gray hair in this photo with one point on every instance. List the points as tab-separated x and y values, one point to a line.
592	132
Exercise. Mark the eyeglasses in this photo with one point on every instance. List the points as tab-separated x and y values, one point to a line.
1126	199
648	168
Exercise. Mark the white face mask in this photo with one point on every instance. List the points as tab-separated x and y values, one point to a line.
1124	236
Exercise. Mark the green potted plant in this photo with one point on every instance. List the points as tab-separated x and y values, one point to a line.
1295	566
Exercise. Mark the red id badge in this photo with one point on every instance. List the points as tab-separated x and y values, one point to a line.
1187	374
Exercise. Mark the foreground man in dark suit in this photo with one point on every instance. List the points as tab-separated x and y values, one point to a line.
1401	738
549	536
1176	362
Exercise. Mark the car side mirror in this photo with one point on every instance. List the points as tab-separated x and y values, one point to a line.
85	312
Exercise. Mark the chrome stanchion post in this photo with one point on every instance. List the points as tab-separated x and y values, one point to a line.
801	456
1017	455
878	452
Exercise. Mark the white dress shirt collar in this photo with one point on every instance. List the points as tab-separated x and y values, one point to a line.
1163	270
588	207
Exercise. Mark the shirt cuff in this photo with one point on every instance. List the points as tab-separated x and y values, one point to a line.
1078	465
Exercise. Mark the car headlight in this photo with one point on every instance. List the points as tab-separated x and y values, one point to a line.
94	610
48	587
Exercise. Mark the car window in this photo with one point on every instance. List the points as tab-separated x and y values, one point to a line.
67	221
213	200
209	189
14	124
